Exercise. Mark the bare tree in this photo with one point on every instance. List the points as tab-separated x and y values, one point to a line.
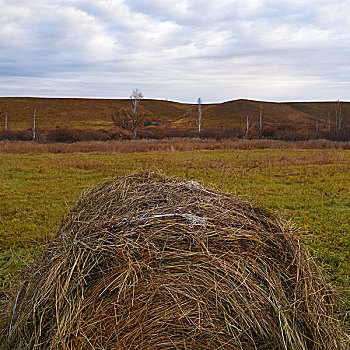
136	98
260	121
247	126
5	121
199	121
336	116
340	117
35	135
339	114
329	120
316	127
132	116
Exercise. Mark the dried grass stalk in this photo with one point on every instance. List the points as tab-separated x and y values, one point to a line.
149	262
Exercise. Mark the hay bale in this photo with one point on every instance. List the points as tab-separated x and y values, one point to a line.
149	262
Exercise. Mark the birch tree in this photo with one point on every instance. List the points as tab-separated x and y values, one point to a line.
132	116
338	117
260	121
5	120
329	120
136	98
199	120
35	136
247	126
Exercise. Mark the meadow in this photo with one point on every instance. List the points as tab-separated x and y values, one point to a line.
310	187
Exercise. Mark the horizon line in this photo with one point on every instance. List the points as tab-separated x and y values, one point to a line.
169	100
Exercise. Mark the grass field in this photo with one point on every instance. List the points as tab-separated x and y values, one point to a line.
311	187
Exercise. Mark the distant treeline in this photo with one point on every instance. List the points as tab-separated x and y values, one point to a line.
66	135
283	131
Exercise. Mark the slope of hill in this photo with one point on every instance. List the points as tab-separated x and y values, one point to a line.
77	112
81	113
236	112
320	109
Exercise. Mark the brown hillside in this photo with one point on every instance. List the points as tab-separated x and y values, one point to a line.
235	112
320	109
95	113
79	113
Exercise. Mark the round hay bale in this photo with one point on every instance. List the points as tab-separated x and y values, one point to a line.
150	262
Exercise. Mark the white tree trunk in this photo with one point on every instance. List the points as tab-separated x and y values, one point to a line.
200	115
247	127
329	121
260	122
34	126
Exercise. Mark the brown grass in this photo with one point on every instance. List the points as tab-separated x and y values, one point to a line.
149	262
79	113
95	113
168	145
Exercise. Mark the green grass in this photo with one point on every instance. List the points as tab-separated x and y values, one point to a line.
309	186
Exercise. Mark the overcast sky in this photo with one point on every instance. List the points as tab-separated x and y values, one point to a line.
178	50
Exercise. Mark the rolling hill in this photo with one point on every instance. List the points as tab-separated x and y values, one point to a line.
78	113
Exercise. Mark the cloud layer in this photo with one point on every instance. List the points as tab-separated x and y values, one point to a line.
219	50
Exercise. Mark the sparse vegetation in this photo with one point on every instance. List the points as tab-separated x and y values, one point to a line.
285	121
162	145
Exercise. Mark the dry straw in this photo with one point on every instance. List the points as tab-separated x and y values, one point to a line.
149	262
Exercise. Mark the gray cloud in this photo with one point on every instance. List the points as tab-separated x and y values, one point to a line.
220	50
